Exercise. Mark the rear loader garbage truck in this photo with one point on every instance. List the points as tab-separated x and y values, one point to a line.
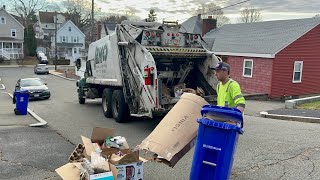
143	68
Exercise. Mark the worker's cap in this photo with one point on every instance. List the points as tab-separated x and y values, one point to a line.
222	66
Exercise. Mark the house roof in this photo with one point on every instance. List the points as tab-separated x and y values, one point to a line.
11	15
259	39
69	22
192	25
48	17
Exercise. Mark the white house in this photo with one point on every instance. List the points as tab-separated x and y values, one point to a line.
70	41
48	21
11	36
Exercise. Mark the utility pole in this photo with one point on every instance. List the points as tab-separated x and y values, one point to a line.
92	20
55	42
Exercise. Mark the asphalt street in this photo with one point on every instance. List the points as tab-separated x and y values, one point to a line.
269	149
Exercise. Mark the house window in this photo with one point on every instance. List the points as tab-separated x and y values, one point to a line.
75	50
67	39
13	32
63	39
297	71
69	28
2	20
75	39
247	67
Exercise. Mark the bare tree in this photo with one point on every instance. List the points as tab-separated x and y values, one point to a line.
215	11
114	18
80	12
26	9
249	15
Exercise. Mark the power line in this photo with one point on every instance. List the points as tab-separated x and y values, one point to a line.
235	4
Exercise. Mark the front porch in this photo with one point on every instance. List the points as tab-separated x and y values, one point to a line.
11	50
69	51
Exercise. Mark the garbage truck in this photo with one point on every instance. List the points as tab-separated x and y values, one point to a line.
142	69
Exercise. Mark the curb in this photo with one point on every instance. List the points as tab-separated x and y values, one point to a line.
290	118
34	115
62	76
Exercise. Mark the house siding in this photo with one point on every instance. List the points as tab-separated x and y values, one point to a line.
261	75
5	29
306	49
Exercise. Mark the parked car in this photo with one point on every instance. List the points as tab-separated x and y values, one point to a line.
36	87
41	69
42	58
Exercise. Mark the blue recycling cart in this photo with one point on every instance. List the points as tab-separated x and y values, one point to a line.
216	143
21	99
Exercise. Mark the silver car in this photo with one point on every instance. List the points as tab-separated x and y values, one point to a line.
41	69
37	89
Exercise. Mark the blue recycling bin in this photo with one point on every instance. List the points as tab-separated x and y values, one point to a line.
216	143
21	98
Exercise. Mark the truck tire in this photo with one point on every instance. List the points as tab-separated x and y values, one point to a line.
120	109
80	96
106	102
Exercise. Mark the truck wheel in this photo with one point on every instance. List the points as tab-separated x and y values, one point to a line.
80	97
106	102
120	109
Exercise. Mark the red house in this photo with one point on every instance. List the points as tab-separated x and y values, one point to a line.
278	58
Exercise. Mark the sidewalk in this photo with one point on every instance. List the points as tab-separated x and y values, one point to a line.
63	75
8	118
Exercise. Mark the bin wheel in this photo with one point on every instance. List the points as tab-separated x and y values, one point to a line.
120	109
106	102
17	112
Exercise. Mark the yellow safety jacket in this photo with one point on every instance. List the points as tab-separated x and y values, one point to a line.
229	94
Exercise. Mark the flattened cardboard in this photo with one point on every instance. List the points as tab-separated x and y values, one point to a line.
99	134
175	134
69	171
128	158
88	145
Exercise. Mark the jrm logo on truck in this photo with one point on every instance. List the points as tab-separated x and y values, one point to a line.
101	54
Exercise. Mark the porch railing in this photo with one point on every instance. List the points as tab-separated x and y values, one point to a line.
4	54
13	50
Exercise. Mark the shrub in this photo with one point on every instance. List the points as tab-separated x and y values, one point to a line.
1	59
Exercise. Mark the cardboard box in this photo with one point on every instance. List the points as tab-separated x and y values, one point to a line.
99	135
133	171
175	135
71	171
102	176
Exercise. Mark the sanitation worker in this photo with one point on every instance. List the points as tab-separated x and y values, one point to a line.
228	90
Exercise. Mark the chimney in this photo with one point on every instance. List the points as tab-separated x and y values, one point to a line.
208	24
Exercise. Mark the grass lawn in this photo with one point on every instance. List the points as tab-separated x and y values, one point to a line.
312	105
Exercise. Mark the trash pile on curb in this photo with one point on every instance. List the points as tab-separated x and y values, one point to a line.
104	156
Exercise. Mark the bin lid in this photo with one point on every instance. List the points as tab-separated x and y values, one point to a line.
22	91
232	114
220	125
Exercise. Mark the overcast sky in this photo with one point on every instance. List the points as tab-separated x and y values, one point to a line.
182	9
